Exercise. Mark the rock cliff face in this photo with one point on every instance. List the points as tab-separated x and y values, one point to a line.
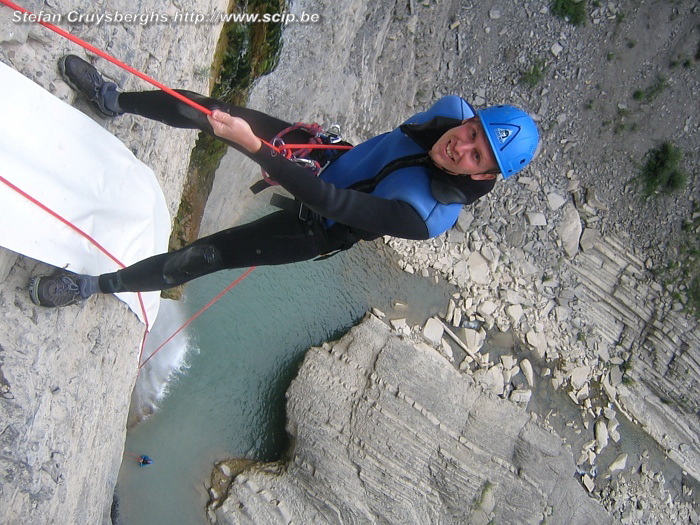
387	431
662	343
66	375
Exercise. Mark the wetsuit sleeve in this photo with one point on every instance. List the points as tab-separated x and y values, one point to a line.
350	207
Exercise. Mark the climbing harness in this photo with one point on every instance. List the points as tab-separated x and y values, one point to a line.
320	140
301	155
329	139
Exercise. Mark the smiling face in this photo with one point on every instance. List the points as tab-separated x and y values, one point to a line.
465	150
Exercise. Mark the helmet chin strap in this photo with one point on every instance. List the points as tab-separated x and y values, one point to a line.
473	176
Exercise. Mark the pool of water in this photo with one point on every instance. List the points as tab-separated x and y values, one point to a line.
229	398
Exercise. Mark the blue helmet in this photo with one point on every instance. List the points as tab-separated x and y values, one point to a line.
513	136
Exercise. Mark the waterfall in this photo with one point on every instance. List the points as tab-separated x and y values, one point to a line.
152	383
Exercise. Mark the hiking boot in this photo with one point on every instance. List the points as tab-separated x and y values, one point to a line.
83	77
55	290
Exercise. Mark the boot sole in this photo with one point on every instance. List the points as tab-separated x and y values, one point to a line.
33	290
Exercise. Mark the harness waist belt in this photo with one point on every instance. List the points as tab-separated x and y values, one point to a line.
293	206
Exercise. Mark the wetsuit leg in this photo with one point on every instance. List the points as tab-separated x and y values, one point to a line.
160	106
278	238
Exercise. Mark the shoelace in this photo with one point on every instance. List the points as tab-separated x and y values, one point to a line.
66	286
96	80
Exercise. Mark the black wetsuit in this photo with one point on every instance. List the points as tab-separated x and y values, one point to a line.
278	238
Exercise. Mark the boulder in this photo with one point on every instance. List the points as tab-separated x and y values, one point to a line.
570	229
433	331
528	372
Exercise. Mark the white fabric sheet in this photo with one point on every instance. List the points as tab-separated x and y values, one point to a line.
76	168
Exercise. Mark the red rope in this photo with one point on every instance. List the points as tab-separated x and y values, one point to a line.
280	149
73	227
64	221
200	312
145	77
110	58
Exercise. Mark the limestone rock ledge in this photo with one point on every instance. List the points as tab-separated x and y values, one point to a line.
388	431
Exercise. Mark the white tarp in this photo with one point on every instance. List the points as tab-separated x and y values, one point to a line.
76	168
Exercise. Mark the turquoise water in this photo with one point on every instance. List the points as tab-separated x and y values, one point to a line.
245	350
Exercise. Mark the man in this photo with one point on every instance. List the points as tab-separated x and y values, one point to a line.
410	183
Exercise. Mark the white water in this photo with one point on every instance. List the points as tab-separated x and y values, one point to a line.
152	383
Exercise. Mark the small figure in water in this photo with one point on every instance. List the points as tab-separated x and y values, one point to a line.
144	460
